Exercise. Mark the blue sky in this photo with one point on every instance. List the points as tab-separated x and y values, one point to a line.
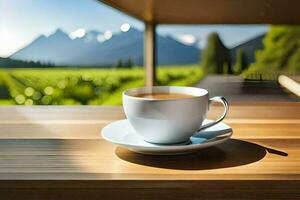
23	20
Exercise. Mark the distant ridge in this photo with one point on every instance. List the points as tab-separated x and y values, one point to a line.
11	63
60	49
249	47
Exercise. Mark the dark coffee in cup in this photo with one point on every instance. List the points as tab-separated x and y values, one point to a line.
164	95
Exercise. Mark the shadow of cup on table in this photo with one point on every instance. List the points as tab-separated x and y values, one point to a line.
228	154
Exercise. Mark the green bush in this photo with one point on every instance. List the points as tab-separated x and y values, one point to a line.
281	52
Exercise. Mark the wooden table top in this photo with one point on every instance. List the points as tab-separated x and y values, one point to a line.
61	146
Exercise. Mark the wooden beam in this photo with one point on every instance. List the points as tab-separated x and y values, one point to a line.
290	84
211	12
149	53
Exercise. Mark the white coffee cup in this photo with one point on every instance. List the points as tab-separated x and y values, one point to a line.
169	121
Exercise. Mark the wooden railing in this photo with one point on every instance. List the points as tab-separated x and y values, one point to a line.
262	77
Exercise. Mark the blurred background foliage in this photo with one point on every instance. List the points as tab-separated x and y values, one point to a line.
215	58
281	52
62	86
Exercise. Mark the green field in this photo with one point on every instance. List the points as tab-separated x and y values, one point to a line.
62	86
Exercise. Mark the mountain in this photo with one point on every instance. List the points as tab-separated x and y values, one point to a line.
56	48
60	49
249	47
170	51
120	47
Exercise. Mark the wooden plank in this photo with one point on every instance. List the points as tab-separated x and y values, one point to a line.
85	129
96	159
170	190
273	120
237	110
40	113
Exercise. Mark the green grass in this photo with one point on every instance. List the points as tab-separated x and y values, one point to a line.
67	86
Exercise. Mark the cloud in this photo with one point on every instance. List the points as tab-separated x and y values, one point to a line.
105	36
125	27
79	33
187	39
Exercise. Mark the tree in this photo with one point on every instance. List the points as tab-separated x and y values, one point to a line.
215	56
225	69
128	63
119	63
124	64
240	63
281	52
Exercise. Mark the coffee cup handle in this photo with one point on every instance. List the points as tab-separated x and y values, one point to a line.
219	99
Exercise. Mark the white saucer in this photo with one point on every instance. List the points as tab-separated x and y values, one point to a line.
122	134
